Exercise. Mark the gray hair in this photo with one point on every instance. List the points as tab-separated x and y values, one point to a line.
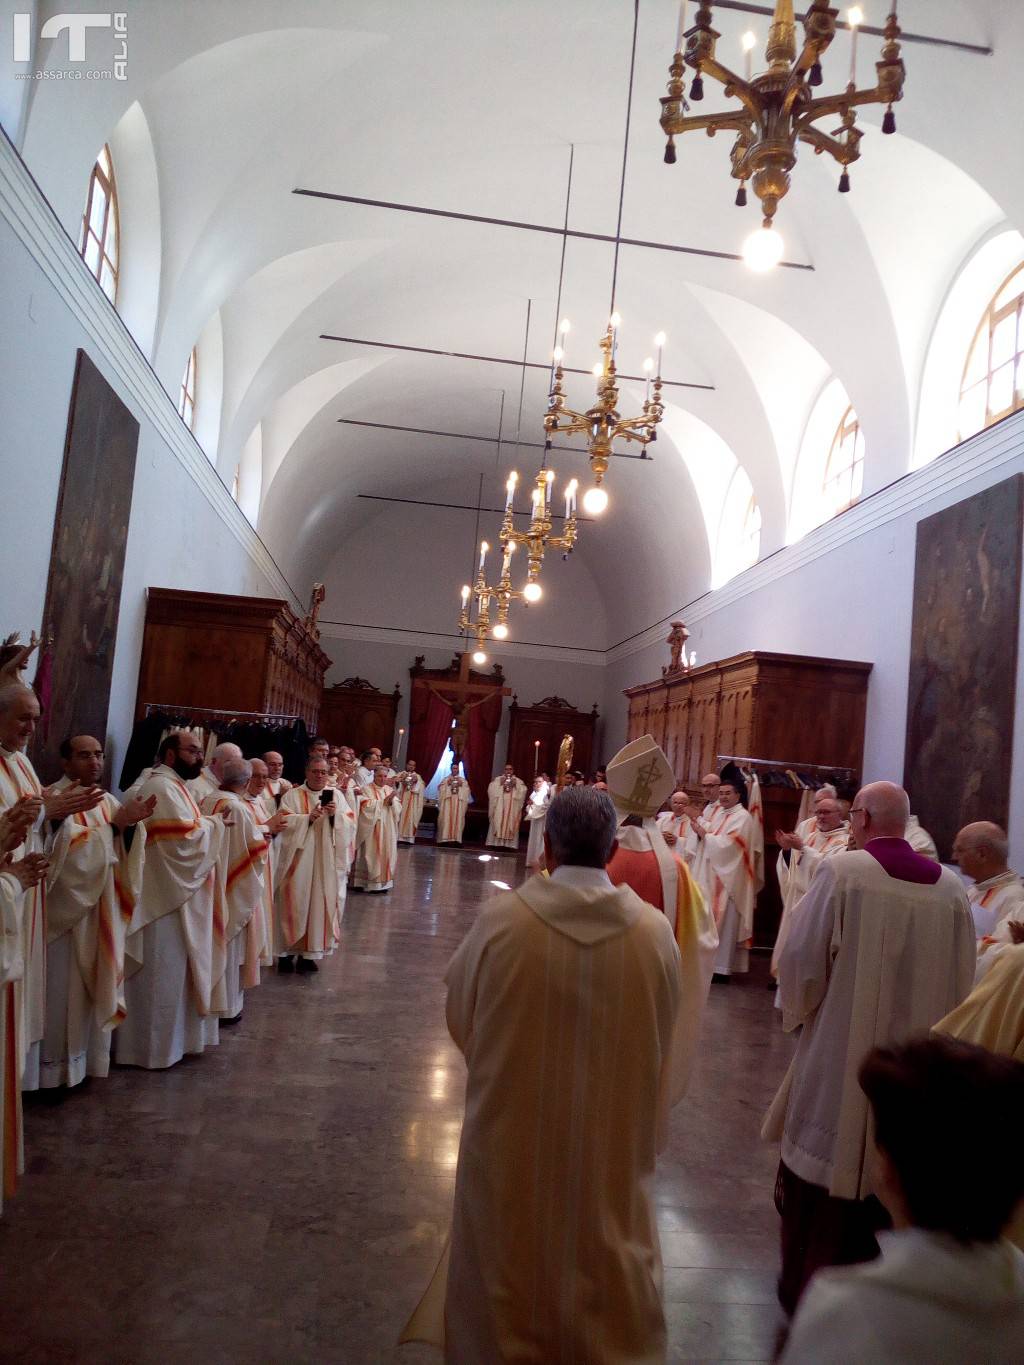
13	692
580	827
235	772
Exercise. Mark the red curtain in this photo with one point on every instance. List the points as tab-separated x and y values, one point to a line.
430	724
484	721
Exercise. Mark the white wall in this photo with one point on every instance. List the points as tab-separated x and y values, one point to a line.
846	591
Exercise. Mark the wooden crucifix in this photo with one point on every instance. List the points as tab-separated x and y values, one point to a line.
462	695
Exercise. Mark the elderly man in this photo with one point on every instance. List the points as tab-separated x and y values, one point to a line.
306	898
277	784
981	849
452	803
505	797
270	822
563	998
240	874
209	780
377	834
92	888
172	941
19	712
822	836
881	949
725	870
677	826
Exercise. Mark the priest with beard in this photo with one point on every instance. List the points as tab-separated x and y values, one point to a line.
308	919
377	837
92	889
724	868
175	939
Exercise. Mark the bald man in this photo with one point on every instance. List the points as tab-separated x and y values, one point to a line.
997	896
881	948
92	888
710	785
277	784
822	836
209	780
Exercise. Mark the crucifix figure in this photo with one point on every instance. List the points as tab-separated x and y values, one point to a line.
462	696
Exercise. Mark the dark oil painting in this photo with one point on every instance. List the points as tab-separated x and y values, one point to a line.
963	662
83	594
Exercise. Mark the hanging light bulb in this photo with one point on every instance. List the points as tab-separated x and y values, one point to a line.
500	631
763	249
479	657
598	370
533	592
595	500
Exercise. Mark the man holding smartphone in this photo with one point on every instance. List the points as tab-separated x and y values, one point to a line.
306	895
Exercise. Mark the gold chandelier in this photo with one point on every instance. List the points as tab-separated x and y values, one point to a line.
536	539
602	423
778	107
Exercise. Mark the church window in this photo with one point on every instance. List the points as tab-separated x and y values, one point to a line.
844	472
98	241
993	380
187	398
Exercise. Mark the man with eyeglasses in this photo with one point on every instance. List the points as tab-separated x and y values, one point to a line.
880	948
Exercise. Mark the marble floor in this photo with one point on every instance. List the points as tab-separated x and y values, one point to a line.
283	1198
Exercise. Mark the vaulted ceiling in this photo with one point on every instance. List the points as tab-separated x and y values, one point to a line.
470	108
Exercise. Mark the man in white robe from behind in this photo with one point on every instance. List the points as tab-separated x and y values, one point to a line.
725	871
411	788
800	854
536	813
452	803
176	936
240	876
880	949
93	886
209	781
306	901
505	797
563	999
377	834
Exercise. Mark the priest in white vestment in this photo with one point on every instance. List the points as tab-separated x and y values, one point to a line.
349	800
19	713
270	822
411	788
801	854
881	948
277	784
308	914
536	812
92	889
505	797
563	999
676	824
175	946
710	785
377	835
17	877
920	840
240	877
209	781
725	871
364	771
997	893
452	803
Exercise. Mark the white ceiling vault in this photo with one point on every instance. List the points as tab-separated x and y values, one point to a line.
469	107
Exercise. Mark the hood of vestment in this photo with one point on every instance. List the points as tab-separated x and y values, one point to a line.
587	915
931	1265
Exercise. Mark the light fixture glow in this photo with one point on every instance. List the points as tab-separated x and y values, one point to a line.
763	249
660	339
855	16
564	326
648	365
598	370
533	592
500	631
749	41
595	500
557	354
616	320
479	657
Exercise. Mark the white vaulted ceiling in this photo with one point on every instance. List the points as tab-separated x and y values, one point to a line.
470	106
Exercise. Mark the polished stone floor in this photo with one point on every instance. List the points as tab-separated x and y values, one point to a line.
283	1197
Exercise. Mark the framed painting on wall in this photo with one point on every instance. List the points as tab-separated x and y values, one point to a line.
83	592
963	662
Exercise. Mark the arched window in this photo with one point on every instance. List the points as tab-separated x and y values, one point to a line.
844	472
98	243
993	382
187	398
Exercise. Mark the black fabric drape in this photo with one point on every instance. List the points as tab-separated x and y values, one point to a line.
291	741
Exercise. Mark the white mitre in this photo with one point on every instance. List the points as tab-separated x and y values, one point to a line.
640	779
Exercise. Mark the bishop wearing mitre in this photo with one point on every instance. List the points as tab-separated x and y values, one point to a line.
377	836
724	868
92	889
411	788
306	900
452	804
505	797
175	945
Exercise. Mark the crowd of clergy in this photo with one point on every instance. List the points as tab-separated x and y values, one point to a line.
131	930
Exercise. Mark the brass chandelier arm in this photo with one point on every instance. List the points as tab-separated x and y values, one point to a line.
687	123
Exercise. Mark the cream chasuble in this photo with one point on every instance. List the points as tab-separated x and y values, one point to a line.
240	874
795	875
920	840
93	886
504	808
536	818
12	964
452	804
262	810
870	961
307	885
411	789
18	779
563	998
686	840
994	903
725	870
377	839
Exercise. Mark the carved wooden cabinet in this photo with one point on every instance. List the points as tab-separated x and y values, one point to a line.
357	713
233	653
543	726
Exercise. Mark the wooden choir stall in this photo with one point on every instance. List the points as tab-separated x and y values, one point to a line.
773	713
535	734
357	713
